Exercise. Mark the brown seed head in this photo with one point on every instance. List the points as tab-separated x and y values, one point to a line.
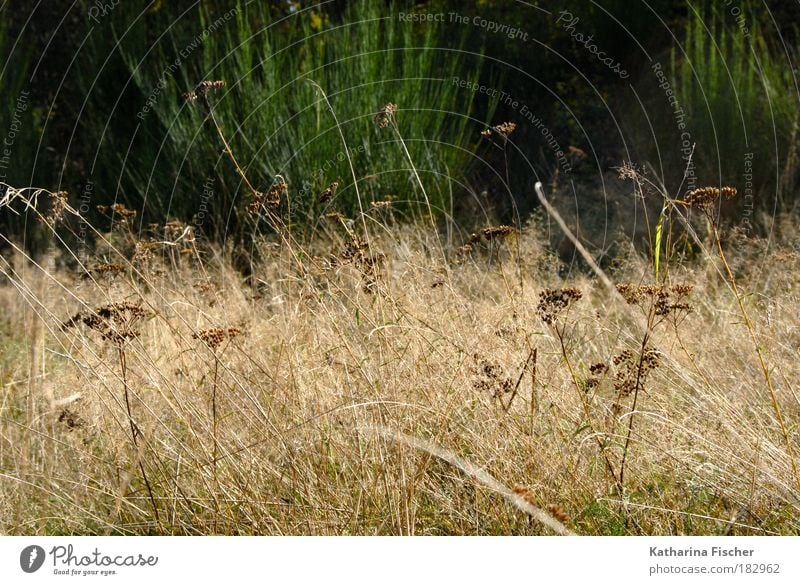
216	336
385	115
552	302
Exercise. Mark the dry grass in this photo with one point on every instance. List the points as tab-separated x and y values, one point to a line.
361	385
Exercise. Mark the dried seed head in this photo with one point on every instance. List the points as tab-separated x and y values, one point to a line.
704	197
121	213
552	302
108	269
329	192
385	115
490	377
271	199
634	369
663	300
202	89
71	419
496	232
117	322
505	130
58	204
216	336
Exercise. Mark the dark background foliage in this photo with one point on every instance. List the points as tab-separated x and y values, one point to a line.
88	78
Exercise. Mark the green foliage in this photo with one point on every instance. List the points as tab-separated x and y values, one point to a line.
740	96
272	116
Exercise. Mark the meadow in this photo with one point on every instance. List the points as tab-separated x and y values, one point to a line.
320	269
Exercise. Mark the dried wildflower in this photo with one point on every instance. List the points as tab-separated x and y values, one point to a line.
354	248
58	203
385	115
143	252
118	209
495	232
598	369
335	216
202	89
553	301
329	192
704	197
505	130
664	301
216	336
490	377
271	199
108	269
438	283
634	369
117	322
628	171
378	206
71	420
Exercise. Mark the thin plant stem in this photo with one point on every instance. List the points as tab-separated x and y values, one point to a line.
135	432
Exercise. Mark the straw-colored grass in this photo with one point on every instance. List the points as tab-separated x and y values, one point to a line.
386	386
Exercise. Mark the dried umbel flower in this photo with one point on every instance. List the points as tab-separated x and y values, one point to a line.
335	216
117	322
704	197
108	269
118	209
216	336
663	300
385	115
71	420
329	192
202	89
270	199
58	203
490	377
552	302
497	232
505	130
379	206
633	369
629	171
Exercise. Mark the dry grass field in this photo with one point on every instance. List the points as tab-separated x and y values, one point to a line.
383	379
